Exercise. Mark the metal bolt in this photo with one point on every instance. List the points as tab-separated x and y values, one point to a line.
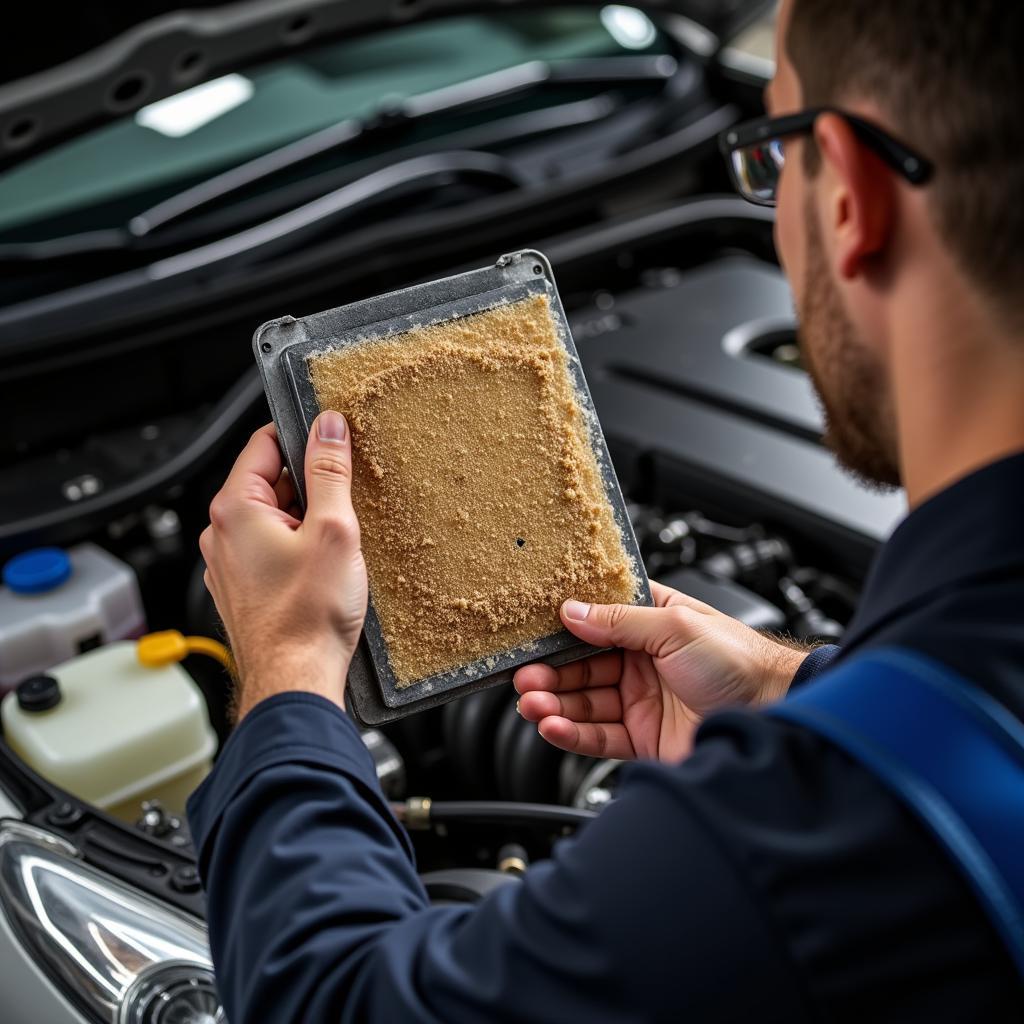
597	798
513	859
674	531
64	815
185	879
155	820
84	486
417	813
163	523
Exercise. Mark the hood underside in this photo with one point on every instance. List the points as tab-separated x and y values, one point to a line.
105	61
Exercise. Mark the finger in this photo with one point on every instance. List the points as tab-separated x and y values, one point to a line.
210	585
251	479
656	631
329	478
206	544
284	491
603	704
592	740
598	670
260	460
535	677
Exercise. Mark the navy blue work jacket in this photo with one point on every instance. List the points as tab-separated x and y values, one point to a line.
766	878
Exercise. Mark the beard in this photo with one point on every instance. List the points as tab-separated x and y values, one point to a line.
850	382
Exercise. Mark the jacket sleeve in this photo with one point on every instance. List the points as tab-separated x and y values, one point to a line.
316	912
815	663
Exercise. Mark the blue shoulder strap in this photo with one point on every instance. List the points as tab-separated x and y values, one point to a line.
950	752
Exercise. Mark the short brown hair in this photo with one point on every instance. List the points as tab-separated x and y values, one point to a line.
950	75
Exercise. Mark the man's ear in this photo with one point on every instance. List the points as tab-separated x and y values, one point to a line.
861	198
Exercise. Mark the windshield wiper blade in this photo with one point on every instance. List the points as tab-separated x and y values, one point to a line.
390	117
117	242
464	96
243	175
496	134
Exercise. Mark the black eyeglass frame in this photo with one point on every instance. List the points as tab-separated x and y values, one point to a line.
915	168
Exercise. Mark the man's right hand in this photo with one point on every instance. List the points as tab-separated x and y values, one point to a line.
675	663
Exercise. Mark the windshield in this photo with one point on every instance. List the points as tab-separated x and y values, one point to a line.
105	178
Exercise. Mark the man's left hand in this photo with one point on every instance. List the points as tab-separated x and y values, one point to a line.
291	592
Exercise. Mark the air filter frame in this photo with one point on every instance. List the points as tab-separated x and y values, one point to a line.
283	347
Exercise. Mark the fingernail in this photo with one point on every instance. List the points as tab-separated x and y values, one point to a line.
518	712
575	610
331	427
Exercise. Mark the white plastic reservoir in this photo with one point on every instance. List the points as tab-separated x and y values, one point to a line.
113	732
55	604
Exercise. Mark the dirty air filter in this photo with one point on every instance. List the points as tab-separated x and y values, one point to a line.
480	476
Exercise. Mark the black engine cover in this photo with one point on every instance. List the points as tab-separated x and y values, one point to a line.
691	407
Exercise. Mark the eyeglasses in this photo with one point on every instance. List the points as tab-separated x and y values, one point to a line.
756	155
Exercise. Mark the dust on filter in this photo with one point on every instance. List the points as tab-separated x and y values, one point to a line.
480	500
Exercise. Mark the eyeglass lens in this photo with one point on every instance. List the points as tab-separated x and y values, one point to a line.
757	168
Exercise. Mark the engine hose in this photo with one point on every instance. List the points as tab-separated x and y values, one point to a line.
807	621
423	813
470	725
525	766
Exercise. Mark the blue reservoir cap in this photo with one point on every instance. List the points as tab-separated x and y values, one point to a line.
37	571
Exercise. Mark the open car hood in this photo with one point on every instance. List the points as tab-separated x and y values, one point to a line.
129	62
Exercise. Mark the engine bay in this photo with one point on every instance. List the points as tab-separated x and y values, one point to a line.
684	326
126	311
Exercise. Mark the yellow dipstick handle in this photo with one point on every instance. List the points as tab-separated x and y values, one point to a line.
155	650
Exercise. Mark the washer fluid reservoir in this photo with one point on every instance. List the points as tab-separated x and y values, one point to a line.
55	604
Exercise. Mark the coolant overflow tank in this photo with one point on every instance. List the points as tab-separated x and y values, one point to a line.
112	731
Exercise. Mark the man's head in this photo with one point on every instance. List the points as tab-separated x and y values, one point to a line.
859	243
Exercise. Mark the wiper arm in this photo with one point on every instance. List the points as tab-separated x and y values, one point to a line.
524	78
464	96
85	243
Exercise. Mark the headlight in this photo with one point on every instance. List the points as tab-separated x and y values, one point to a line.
119	955
172	993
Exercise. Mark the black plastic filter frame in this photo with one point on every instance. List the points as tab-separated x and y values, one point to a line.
283	348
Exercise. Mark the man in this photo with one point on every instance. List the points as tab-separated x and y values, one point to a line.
767	876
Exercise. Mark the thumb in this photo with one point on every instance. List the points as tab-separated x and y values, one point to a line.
329	474
656	631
